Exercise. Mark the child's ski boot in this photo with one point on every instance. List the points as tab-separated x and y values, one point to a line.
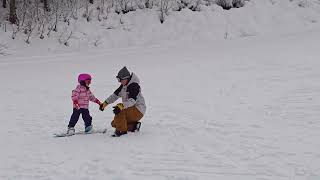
71	131
88	129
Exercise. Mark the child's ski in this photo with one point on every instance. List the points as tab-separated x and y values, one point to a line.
95	131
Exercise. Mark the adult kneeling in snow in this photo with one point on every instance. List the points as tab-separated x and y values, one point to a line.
133	107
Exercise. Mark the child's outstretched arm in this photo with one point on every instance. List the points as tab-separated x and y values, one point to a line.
94	99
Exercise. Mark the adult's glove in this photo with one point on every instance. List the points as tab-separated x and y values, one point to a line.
103	105
118	108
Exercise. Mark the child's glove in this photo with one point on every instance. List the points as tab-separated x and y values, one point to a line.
76	104
97	101
118	108
103	105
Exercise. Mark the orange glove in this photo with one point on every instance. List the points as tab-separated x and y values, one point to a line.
118	108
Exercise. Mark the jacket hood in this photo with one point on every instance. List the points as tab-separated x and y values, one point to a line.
134	79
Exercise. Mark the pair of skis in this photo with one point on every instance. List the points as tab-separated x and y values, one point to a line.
95	131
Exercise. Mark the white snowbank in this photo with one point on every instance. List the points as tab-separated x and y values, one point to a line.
143	28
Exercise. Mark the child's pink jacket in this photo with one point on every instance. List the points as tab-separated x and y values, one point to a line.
81	95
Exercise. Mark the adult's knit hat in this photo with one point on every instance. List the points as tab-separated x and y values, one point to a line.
123	73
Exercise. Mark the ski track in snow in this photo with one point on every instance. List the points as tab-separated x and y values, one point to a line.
237	110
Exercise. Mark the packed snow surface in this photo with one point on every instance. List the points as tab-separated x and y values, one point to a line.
244	109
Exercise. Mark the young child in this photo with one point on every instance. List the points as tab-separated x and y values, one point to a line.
80	98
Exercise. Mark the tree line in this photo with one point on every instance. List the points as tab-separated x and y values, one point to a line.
45	16
124	6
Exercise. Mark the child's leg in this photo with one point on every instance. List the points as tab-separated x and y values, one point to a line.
74	117
86	117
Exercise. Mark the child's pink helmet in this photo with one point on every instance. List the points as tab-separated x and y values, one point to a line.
83	77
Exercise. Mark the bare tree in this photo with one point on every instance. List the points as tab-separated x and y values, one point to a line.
74	9
123	6
56	18
37	9
164	9
5	26
63	40
15	30
225	4
148	4
86	13
13	15
42	25
29	30
46	5
228	4
101	9
238	3
24	13
4	3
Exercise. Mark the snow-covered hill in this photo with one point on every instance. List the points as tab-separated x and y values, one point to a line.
243	109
